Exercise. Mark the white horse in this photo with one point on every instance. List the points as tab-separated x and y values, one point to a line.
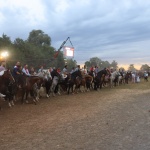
54	84
46	75
112	78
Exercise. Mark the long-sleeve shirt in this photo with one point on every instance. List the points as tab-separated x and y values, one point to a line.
26	71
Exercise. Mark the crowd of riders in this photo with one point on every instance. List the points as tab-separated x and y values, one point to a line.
18	70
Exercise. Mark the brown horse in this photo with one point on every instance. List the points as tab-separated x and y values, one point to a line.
86	82
28	87
6	79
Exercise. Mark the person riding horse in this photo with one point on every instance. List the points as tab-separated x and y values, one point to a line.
18	75
25	70
99	79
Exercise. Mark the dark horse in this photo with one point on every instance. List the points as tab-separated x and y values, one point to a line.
75	79
128	75
100	78
6	79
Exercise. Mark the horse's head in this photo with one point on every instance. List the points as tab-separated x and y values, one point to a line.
108	72
7	75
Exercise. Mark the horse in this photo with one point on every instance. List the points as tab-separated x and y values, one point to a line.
100	78
114	79
55	80
86	81
128	75
47	80
75	79
6	79
28	87
90	84
63	82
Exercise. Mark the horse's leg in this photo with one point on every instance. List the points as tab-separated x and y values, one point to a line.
26	94
23	94
53	91
47	86
58	90
72	88
68	89
33	96
9	103
95	86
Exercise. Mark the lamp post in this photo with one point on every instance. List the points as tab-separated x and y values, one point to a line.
4	55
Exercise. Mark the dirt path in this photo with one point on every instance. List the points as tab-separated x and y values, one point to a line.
116	119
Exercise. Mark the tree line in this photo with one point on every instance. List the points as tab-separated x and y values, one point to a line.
37	50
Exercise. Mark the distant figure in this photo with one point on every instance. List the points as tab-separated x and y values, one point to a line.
2	66
25	70
65	70
73	70
77	68
146	76
41	69
32	71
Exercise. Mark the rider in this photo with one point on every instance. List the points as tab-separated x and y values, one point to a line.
77	68
146	75
32	71
65	72
73	70
96	70
2	67
41	69
17	73
16	70
25	70
84	70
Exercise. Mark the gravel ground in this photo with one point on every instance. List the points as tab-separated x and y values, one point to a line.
110	119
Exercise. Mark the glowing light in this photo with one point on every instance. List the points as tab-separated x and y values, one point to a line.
4	54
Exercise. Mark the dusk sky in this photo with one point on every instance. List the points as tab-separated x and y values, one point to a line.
109	29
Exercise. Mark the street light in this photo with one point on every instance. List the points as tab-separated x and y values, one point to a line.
4	54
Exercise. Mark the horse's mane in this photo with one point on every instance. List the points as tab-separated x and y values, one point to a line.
101	72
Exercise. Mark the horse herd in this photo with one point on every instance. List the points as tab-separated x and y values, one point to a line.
54	82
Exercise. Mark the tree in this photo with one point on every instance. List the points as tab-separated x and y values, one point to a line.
145	67
121	68
114	64
37	37
95	61
71	63
131	67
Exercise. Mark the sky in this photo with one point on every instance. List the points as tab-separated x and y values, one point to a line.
108	29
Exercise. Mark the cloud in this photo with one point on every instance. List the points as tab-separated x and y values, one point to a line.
112	30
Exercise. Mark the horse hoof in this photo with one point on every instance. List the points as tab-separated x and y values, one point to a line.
34	101
27	102
9	105
37	100
12	103
58	93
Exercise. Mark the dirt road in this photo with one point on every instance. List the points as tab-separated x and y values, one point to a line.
116	119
